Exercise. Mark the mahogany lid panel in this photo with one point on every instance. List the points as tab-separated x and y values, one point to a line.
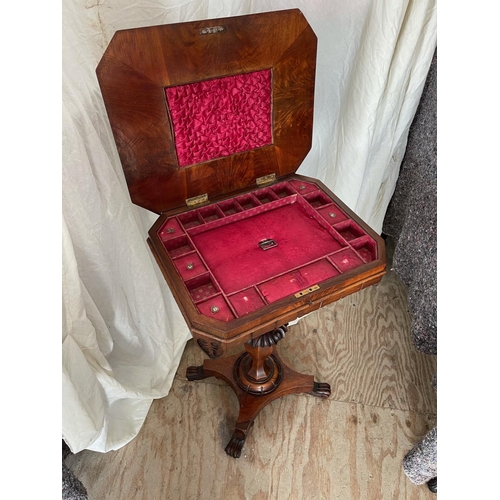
140	63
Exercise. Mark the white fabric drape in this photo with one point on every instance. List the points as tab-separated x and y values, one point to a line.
123	334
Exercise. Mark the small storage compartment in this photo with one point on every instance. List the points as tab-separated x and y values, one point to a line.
230	207
346	260
283	190
332	214
366	247
265	196
303	187
202	287
178	246
216	308
317	199
211	213
190	219
246	301
189	266
349	230
297	280
248	201
171	229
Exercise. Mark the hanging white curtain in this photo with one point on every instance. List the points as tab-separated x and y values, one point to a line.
123	334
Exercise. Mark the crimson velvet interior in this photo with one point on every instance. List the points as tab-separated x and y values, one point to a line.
236	260
221	255
220	117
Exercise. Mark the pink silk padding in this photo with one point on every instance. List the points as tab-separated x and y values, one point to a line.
221	117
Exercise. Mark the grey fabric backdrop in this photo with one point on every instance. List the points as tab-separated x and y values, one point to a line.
411	218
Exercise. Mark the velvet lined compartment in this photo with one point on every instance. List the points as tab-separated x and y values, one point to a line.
233	276
221	117
234	257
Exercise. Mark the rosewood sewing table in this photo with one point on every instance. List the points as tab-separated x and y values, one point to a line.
211	120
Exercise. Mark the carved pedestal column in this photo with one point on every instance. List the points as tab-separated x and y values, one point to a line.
257	376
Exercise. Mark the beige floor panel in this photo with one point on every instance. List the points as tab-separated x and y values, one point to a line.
300	447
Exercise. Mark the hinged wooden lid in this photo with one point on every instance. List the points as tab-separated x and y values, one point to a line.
141	66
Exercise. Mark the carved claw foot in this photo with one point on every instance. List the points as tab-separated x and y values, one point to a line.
195	373
234	447
321	390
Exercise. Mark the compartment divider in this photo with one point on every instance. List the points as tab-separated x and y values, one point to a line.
349	227
265	195
248	201
230	204
318	199
316	278
321	221
261	295
333	263
190	219
176	244
289	271
214	280
255	289
346	250
177	257
363	242
170	230
211	213
197	283
285	187
244	214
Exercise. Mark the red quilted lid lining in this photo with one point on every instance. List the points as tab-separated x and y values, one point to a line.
221	117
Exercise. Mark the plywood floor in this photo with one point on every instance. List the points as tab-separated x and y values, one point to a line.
347	447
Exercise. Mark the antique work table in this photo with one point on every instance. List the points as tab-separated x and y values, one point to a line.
211	120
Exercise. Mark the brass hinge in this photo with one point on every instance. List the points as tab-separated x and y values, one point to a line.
306	291
267	179
197	200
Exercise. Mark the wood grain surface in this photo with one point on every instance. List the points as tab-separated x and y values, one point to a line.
349	446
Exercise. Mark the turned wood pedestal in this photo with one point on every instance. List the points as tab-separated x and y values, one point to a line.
257	376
